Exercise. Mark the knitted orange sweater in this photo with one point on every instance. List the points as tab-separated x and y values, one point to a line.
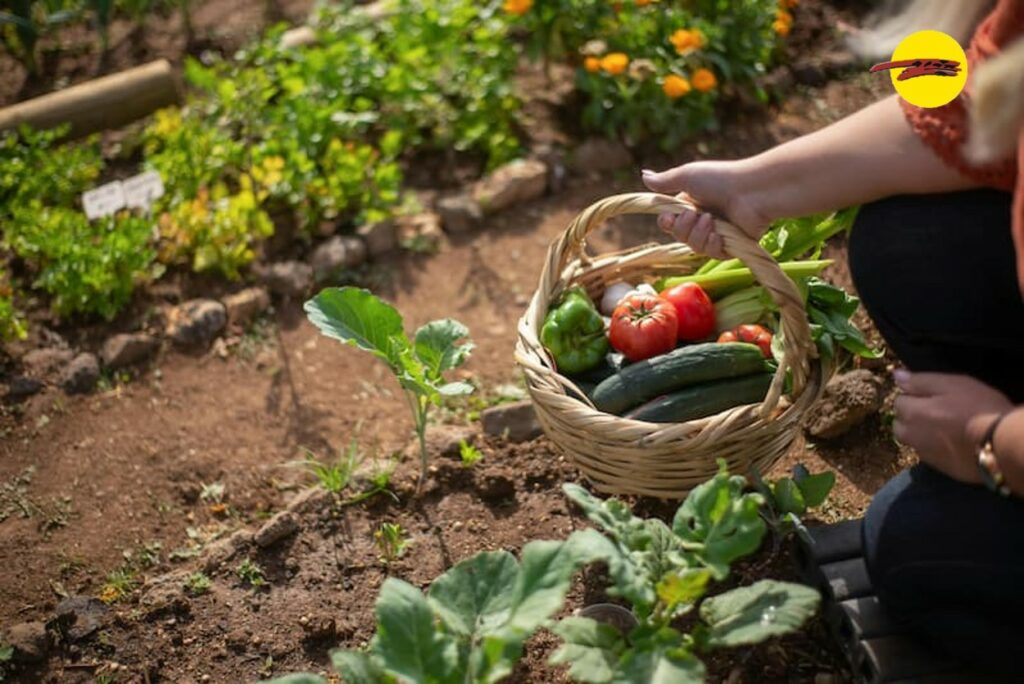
945	128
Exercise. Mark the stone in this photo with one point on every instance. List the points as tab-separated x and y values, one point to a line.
335	255
196	322
245	305
599	155
223	550
30	640
44	363
277	528
81	374
517	421
380	237
301	36
127	349
21	387
165	592
445	440
81	616
848	400
421	232
459	213
287	278
511	184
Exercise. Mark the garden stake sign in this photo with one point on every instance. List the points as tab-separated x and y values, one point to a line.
358	317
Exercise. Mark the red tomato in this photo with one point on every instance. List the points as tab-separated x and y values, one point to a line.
643	326
753	334
695	311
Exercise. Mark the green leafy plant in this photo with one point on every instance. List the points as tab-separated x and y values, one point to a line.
391	542
653	70
336	477
357	317
787	499
197	583
87	267
664	573
6	656
24	22
251	574
119	584
12	322
469	454
474	619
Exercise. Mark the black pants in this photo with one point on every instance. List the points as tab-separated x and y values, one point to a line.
937	275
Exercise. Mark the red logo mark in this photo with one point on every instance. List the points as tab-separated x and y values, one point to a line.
912	68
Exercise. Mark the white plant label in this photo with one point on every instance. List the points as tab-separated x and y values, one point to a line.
104	200
142	190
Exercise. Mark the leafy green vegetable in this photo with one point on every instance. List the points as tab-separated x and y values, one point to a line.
830	309
749	615
357	317
786	499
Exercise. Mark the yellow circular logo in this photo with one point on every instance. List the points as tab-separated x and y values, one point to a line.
928	68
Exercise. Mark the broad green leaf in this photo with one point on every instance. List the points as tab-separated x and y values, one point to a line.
495	658
719	522
815	488
590	648
437	346
475	596
545	573
683	587
660	659
306	678
357	667
407	642
358	317
748	615
788	497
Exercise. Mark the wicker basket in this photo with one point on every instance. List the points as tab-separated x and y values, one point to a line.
666	460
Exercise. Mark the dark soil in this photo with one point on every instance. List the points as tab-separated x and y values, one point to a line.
96	483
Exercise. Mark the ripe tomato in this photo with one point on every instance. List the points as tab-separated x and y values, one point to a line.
643	326
694	309
754	334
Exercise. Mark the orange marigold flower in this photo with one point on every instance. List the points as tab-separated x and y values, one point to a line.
675	86
615	63
592	64
518	7
783	16
704	80
789	4
685	40
780	27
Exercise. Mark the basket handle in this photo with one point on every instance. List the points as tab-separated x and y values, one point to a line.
798	347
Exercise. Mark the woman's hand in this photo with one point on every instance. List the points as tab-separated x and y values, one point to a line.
714	186
944	417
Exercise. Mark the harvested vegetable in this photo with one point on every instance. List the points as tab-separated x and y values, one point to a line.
694	309
721	283
751	334
690	365
749	305
700	401
830	309
644	326
574	333
614	294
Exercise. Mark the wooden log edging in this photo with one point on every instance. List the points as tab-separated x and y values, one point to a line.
104	103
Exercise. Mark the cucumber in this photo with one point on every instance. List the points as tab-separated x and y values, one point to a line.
700	401
690	365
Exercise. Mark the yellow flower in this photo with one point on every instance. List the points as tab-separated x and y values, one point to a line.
783	22
704	80
675	86
592	64
686	41
615	63
518	7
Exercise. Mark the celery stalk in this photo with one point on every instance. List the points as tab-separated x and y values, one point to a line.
721	283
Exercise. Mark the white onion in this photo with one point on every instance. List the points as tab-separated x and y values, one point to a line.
613	294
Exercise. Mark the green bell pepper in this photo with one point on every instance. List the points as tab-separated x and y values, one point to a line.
574	333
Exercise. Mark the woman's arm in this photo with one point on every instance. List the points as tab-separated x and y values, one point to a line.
871	154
